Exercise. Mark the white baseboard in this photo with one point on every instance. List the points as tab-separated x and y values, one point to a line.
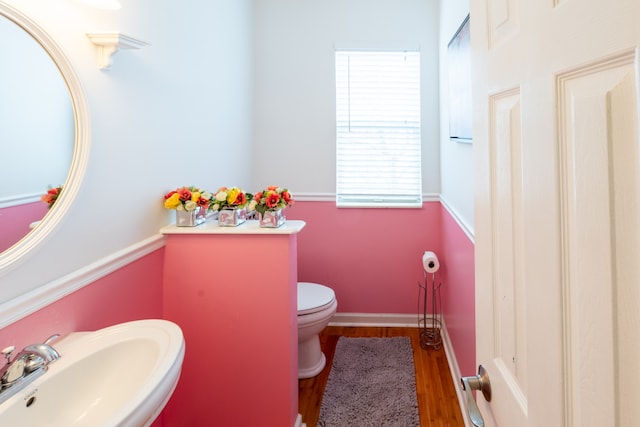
407	320
454	368
374	319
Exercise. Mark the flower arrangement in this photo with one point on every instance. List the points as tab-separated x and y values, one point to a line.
52	195
272	198
187	199
233	197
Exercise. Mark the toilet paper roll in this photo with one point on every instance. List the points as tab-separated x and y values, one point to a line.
430	262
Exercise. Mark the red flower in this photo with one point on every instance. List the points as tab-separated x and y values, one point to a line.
203	202
51	196
258	196
241	199
287	197
185	194
272	200
169	194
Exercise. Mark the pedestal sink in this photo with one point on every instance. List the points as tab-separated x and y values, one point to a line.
121	376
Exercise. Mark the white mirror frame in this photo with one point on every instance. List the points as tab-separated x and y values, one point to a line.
11	257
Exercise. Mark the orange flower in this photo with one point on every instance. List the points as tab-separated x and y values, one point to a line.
203	202
51	196
287	197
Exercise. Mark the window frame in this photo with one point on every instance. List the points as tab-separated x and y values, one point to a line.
366	197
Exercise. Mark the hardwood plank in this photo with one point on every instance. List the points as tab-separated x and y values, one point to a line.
435	389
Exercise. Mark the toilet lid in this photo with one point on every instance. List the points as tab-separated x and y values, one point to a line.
313	297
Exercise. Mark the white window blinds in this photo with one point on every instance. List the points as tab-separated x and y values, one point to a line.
378	128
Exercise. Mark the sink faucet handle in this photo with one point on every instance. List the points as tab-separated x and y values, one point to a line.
51	339
6	352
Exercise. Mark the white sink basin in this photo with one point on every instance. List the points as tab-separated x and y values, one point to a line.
121	376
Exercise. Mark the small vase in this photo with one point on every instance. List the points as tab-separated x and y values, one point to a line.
272	218
232	217
191	218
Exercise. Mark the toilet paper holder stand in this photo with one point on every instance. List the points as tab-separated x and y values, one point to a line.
430	323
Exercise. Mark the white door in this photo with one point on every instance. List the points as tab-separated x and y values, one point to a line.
557	227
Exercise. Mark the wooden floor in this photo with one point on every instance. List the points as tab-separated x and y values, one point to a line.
437	400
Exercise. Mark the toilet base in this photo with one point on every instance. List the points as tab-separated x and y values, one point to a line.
311	360
313	371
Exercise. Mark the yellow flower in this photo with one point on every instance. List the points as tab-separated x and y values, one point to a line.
195	196
232	194
172	202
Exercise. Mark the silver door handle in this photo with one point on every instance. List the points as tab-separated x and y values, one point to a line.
476	382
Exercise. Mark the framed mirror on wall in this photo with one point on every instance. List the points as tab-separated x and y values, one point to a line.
37	131
43	134
459	73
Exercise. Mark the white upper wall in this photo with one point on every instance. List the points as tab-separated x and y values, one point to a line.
294	112
456	158
177	112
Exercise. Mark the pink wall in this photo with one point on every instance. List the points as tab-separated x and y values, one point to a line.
131	293
370	257
15	220
458	292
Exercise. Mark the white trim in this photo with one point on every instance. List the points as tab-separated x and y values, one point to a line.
315	197
374	319
24	305
430	197
331	197
454	368
468	230
298	422
407	320
21	199
377	46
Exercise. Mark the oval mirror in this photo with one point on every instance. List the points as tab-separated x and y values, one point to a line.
42	137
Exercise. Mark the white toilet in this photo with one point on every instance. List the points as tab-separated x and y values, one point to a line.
316	306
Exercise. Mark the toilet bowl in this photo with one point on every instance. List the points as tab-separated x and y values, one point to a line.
316	306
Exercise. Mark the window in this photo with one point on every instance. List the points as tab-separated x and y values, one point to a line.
378	129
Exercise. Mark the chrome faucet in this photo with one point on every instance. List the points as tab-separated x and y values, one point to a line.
29	364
